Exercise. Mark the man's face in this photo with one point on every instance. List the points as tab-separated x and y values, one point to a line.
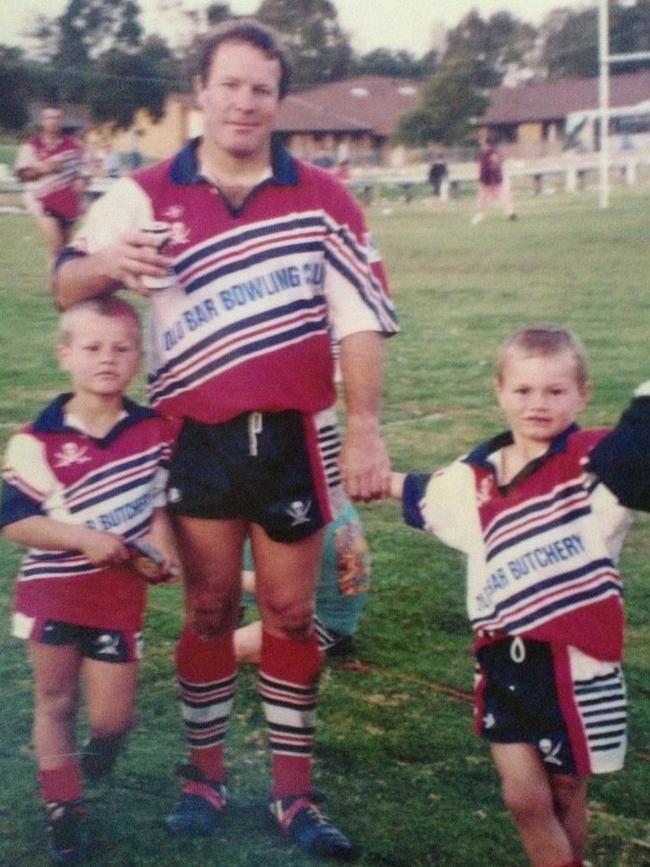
51	120
240	101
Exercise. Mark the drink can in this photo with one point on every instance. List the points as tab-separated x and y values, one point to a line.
162	233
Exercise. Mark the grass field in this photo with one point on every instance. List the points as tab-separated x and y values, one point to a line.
405	776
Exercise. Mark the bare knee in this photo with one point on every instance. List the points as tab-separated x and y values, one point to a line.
527	804
211	613
294	619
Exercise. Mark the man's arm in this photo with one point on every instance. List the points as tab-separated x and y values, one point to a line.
364	462
123	263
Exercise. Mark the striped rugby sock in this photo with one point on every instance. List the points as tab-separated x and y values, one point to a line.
207	673
288	684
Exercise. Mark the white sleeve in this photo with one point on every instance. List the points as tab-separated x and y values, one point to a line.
449	507
125	207
26	157
612	519
26	468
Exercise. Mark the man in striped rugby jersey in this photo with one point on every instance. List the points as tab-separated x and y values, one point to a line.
50	163
542	536
267	254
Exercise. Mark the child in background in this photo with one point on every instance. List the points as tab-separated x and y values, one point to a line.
542	536
341	594
83	485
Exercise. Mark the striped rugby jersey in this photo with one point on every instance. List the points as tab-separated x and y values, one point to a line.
541	554
52	469
258	289
55	192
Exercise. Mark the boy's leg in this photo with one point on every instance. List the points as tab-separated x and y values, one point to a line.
528	795
110	696
56	700
570	798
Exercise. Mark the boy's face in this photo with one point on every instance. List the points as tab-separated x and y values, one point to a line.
540	395
102	355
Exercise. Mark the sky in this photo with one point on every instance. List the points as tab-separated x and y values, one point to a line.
394	24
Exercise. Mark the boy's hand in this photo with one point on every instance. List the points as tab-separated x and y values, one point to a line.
150	563
103	548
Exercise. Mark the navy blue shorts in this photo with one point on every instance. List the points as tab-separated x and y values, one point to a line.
272	469
569	706
103	645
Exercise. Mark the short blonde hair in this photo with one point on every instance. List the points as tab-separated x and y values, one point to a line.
110	306
544	339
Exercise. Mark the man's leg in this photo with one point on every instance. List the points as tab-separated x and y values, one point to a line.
290	663
205	664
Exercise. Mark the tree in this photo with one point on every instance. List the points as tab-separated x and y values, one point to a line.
572	48
489	47
13	86
122	84
383	61
321	51
449	103
88	28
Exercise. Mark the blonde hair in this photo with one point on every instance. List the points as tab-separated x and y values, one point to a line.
545	340
109	306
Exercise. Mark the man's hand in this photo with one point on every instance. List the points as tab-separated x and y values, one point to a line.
134	256
364	463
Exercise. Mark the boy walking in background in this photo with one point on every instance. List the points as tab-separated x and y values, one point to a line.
83	484
542	536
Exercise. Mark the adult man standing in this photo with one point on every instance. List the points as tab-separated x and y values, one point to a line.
50	163
268	253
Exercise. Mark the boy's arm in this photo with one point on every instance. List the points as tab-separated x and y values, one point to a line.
621	460
48	534
397	485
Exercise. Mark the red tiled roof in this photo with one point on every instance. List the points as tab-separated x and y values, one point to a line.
367	102
299	114
553	100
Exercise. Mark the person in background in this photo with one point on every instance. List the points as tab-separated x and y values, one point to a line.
438	174
341	594
493	185
50	164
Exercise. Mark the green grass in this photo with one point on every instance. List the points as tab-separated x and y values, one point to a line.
395	752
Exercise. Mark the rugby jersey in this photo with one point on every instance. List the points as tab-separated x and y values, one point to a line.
55	192
541	552
246	325
113	484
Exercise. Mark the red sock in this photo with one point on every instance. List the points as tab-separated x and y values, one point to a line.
288	683
207	672
577	862
61	784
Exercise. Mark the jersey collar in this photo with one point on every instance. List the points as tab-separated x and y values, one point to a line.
480	456
52	419
185	166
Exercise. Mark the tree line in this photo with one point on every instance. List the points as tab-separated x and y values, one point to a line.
96	53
